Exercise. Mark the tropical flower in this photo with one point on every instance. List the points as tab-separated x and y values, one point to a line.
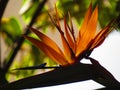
75	48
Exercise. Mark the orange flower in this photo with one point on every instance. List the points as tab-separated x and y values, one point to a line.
75	48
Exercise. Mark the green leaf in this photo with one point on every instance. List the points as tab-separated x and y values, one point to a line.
12	29
29	7
12	26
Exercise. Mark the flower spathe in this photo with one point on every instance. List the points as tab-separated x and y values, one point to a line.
73	46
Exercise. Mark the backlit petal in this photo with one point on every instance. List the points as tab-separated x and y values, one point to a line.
47	40
85	23
100	37
67	49
50	52
71	29
89	33
69	38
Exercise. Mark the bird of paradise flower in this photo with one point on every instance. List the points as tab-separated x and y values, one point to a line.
75	48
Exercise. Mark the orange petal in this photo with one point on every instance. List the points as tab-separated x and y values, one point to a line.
91	28
58	58
85	23
57	25
72	29
89	33
47	40
67	49
100	37
69	38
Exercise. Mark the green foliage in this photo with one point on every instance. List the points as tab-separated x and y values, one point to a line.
28	9
75	8
108	9
11	28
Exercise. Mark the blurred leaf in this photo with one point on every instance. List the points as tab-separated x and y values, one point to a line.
11	27
28	9
37	55
42	21
108	9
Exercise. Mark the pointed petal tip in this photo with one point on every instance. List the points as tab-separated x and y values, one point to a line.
96	7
